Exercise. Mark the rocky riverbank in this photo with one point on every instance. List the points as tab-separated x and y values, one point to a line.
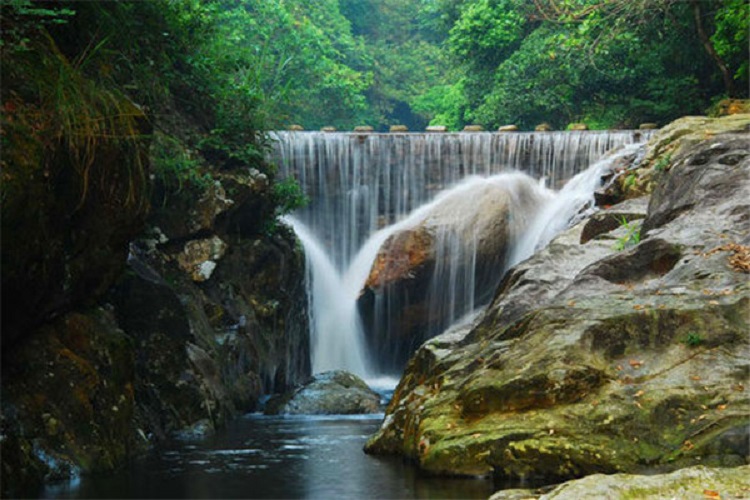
618	348
134	311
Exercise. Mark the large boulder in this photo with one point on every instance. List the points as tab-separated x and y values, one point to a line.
329	393
691	482
442	262
592	359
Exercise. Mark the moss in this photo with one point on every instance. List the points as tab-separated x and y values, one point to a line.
71	388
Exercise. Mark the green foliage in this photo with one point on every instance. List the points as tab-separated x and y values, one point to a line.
444	105
19	19
611	64
174	167
693	339
730	38
50	100
631	237
662	163
288	196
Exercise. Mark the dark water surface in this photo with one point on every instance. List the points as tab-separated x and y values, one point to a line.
275	457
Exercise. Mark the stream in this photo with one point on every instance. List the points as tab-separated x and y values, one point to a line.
260	456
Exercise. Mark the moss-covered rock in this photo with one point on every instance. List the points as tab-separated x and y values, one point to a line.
691	482
672	141
595	359
68	402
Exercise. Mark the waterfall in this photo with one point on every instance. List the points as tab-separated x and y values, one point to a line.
372	192
336	329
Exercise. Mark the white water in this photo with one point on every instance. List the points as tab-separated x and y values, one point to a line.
556	215
336	329
359	183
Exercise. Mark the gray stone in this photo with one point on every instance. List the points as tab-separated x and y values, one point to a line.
329	393
596	360
697	483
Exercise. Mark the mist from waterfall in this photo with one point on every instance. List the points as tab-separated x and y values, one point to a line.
367	188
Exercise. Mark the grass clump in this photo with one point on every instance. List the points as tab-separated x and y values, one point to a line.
631	237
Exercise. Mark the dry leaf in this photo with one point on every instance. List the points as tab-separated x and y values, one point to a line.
711	494
688	445
635	363
721	407
695	378
478	434
713	302
639	394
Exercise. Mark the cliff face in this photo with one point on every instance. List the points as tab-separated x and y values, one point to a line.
132	312
618	347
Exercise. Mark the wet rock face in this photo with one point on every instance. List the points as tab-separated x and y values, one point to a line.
330	393
68	402
460	243
66	234
591	359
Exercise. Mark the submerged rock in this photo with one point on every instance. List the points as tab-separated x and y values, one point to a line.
597	360
329	393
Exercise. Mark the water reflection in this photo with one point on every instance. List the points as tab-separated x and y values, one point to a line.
275	457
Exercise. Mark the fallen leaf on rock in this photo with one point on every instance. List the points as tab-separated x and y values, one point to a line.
571	303
637	307
721	407
638	405
478	434
702	417
619	368
688	445
704	407
713	302
695	377
639	394
711	494
635	363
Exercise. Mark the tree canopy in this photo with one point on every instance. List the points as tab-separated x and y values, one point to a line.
250	65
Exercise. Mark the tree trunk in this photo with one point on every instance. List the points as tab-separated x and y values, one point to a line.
726	75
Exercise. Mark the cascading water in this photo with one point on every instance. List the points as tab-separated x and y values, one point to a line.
359	183
335	324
